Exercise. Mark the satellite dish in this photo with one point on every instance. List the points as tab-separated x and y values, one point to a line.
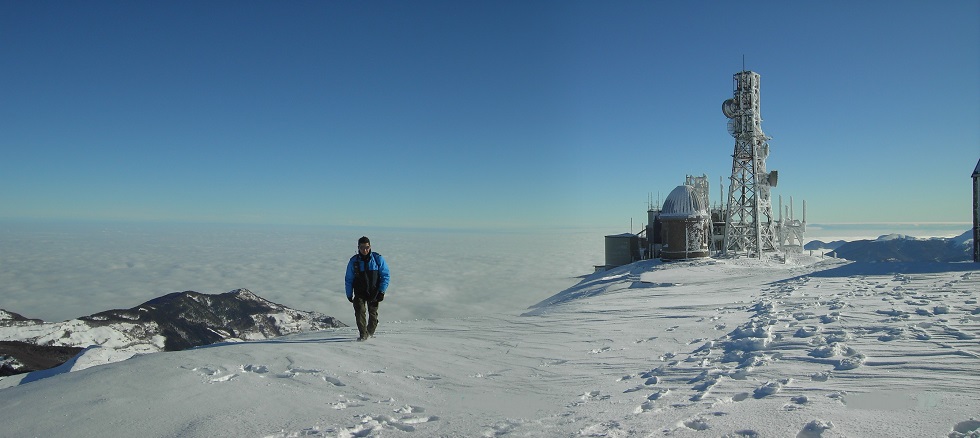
729	107
773	178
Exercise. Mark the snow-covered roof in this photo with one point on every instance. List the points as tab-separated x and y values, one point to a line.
682	202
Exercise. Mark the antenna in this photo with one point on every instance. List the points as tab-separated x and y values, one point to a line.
743	62
749	224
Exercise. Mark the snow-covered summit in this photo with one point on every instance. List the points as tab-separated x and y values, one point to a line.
8	317
175	321
904	248
894	236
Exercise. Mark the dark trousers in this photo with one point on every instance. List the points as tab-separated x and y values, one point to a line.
366	323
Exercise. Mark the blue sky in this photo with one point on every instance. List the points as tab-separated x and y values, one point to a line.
477	114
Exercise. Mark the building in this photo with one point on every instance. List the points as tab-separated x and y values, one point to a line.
686	225
621	249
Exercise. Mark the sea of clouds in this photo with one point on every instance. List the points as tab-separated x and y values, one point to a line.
58	270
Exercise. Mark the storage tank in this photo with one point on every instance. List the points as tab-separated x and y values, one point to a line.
622	249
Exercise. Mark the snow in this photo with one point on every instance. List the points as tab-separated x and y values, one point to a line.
717	347
120	336
893	236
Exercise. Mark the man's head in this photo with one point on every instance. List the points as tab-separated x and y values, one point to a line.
364	245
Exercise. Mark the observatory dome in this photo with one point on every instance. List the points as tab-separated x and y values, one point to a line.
682	202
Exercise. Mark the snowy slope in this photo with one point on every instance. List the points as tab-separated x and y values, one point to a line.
735	347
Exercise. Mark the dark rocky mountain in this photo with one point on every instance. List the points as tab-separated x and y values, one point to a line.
190	319
20	357
14	317
175	321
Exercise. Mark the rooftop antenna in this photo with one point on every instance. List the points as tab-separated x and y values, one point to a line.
743	62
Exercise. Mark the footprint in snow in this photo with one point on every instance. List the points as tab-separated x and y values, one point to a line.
409	409
651	373
501	428
593	395
806	332
797	403
646	406
224	378
850	363
258	369
333	380
815	429
609	428
966	429
205	371
768	389
424	377
697	424
822	376
634	389
413	420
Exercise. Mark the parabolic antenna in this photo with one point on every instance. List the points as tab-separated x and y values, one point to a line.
773	178
729	108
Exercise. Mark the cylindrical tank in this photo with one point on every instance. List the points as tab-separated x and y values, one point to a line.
622	249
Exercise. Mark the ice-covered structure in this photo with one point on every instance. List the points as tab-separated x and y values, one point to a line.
685	225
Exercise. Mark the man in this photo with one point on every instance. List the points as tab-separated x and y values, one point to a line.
366	282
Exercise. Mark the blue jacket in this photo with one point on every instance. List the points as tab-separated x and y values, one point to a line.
375	263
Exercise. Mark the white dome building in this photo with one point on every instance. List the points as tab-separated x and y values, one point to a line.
686	222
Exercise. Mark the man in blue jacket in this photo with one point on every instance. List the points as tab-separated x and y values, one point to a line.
366	282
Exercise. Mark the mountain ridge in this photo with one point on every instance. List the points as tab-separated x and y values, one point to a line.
172	322
902	248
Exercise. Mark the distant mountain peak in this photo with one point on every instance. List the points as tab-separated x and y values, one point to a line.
175	321
903	248
8	316
244	294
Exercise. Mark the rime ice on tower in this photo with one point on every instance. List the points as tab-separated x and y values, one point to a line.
749	226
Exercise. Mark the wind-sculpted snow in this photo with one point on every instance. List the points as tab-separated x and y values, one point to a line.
733	347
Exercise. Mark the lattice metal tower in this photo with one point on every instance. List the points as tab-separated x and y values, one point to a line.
749	226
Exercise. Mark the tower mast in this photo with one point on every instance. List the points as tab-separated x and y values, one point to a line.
749	226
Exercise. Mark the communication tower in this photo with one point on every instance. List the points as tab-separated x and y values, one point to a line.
749	226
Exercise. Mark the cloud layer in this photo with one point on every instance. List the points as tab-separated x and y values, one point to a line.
60	271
